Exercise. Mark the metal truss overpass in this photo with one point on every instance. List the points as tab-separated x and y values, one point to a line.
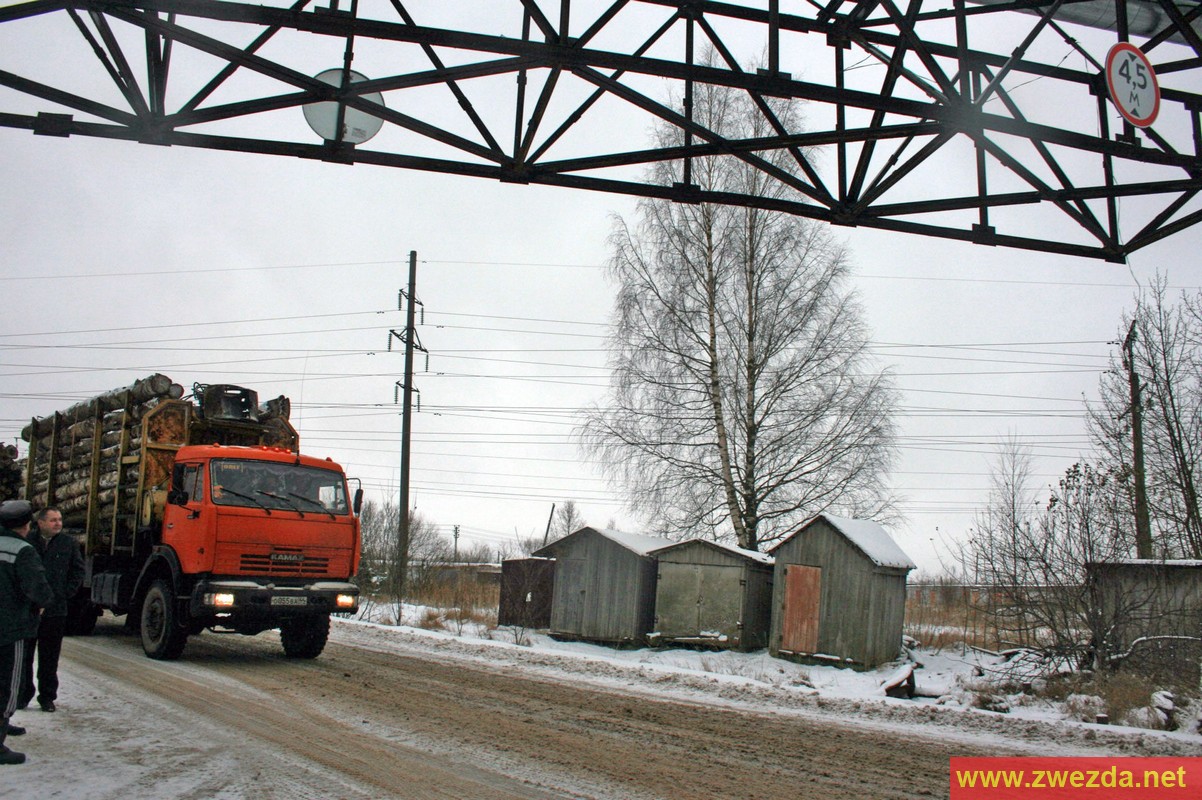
989	122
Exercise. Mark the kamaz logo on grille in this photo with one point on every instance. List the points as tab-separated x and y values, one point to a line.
287	558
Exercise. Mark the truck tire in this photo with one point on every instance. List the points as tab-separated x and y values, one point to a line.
305	637
163	638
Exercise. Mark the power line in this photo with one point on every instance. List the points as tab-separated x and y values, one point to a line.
342	265
207	324
195	271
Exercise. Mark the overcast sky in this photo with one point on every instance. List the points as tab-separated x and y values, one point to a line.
121	260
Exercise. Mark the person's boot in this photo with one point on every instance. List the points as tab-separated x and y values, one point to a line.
8	756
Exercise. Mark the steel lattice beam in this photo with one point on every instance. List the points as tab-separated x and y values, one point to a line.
984	122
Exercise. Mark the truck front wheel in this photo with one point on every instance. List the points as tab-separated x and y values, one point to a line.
163	637
305	637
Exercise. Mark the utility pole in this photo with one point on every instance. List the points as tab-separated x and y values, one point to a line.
455	565
547	532
1143	523
409	337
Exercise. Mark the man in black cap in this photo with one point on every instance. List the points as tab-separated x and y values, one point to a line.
23	593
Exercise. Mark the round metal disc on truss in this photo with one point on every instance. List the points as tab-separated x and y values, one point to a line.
1132	84
357	126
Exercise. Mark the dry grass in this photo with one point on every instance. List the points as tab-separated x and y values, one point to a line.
943	616
938	639
454	606
1124	692
432	619
1119	693
444	606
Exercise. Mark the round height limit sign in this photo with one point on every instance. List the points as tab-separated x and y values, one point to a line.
1132	84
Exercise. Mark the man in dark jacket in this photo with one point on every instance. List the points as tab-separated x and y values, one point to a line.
64	572
23	593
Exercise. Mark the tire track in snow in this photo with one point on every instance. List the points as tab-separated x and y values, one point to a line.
297	734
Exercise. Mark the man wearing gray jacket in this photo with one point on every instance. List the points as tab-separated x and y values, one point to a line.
24	592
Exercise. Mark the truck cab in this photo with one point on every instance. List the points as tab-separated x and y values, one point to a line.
251	538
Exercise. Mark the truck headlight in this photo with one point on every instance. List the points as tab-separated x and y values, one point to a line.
345	601
220	599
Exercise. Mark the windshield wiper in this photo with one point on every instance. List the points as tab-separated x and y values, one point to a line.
314	502
282	499
236	493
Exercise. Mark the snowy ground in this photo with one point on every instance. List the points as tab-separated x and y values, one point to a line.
948	684
99	739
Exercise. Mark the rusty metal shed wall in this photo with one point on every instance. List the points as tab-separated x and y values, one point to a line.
862	605
527	585
711	595
603	591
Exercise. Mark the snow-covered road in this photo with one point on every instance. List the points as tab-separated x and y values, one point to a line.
397	712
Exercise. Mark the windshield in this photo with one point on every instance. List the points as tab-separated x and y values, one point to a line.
275	486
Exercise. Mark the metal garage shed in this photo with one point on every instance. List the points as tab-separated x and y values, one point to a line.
839	593
604	585
1151	609
713	594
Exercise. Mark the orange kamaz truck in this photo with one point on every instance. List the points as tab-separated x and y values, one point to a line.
198	512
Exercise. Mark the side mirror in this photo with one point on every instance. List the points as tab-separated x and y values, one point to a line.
358	501
177	497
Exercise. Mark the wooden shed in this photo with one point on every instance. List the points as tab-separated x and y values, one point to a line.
712	594
527	585
604	585
839	593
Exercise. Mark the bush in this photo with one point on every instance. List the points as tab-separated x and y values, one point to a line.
1126	697
1124	692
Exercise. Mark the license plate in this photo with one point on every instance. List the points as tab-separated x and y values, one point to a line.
285	600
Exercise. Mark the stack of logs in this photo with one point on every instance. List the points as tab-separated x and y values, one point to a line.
11	474
116	411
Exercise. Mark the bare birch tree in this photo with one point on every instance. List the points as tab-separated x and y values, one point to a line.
743	399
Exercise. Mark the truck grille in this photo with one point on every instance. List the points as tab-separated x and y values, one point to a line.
284	564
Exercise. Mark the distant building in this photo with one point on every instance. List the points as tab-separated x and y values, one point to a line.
839	593
468	574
